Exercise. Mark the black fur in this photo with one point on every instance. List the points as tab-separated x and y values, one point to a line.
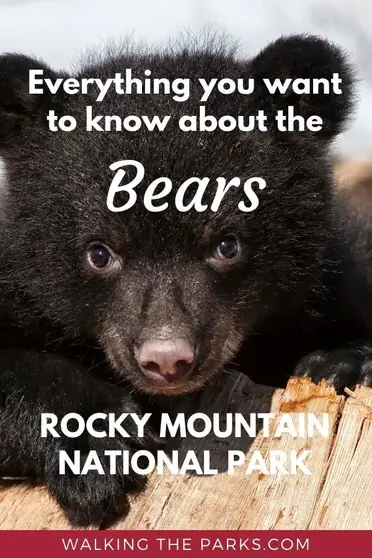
69	337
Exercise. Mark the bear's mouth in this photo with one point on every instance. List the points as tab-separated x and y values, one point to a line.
124	360
178	387
151	382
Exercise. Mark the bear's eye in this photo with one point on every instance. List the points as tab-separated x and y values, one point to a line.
228	248
227	251
101	259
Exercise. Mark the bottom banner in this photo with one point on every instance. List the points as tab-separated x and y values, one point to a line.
193	543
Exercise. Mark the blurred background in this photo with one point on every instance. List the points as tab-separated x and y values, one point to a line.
59	31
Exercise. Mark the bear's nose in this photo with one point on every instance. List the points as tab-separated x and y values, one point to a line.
170	359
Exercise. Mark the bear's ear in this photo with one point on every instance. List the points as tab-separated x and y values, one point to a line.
306	57
17	105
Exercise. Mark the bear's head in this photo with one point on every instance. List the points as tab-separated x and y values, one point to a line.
169	296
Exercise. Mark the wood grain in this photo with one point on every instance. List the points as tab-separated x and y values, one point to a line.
338	494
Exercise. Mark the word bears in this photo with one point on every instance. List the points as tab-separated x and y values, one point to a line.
161	187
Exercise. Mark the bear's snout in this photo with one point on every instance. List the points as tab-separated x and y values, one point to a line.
166	361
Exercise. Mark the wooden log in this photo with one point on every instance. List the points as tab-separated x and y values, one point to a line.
345	500
240	501
338	493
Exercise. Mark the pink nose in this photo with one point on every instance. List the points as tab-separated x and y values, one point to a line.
171	359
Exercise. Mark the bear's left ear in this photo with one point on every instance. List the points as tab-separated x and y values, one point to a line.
17	105
306	57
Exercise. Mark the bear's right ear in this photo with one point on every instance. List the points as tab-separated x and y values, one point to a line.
17	105
306	57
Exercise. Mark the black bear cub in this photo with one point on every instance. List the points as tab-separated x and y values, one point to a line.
99	306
